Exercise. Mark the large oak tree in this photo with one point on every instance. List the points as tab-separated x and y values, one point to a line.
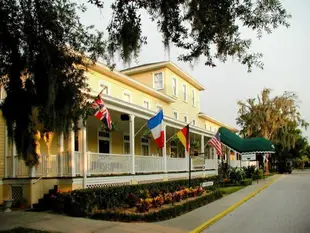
43	46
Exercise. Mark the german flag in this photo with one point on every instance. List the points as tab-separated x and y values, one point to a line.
183	135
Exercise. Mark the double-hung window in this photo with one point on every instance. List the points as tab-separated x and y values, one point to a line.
158	81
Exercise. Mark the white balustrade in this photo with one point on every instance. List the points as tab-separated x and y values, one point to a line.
149	164
78	163
108	163
211	164
236	163
177	164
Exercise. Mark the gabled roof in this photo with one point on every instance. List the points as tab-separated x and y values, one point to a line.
164	64
103	69
241	145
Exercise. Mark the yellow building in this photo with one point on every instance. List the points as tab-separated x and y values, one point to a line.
93	157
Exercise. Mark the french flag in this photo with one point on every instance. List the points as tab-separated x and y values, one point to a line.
155	124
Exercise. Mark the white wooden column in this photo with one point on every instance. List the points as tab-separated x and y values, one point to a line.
6	154
202	144
72	154
32	171
132	142
61	154
13	159
84	154
228	156
164	149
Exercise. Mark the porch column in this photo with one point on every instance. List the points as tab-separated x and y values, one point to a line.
72	154
216	158
61	154
84	154
132	142
6	167
228	156
32	171
164	150
202	144
202	150
13	159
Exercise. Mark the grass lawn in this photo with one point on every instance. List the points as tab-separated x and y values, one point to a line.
25	230
229	190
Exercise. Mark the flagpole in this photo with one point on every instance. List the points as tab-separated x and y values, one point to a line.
189	159
105	87
140	129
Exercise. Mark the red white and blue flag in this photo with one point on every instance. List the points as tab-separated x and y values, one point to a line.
155	124
216	143
101	112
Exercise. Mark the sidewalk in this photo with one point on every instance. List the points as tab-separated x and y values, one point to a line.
182	224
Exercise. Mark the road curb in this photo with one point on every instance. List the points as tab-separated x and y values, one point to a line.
231	208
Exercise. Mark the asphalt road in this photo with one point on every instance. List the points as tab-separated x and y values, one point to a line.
284	207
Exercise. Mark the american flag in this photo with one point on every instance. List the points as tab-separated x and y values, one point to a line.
216	143
101	112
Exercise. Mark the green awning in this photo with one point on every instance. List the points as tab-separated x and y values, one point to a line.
241	145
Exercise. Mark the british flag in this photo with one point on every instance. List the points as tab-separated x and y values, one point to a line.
101	112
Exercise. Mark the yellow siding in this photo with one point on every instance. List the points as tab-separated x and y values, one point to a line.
183	108
147	77
2	144
211	126
117	90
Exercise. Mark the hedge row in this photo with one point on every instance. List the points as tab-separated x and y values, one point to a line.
82	202
162	214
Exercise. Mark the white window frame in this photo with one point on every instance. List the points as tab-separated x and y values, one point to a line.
206	126
163	80
126	141
103	83
193	97
184	93
127	93
194	122
186	118
174	88
174	111
145	144
104	138
148	102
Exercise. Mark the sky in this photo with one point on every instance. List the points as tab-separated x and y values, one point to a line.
286	59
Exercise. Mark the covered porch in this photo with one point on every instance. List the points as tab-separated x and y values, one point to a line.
128	149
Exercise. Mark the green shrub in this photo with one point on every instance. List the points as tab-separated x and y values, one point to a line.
82	202
229	190
249	171
246	182
163	214
236	175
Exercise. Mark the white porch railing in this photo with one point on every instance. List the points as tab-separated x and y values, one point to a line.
177	164
108	163
211	164
149	164
236	163
98	164
48	166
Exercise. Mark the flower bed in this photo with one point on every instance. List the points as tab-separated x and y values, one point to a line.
82	202
166	211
